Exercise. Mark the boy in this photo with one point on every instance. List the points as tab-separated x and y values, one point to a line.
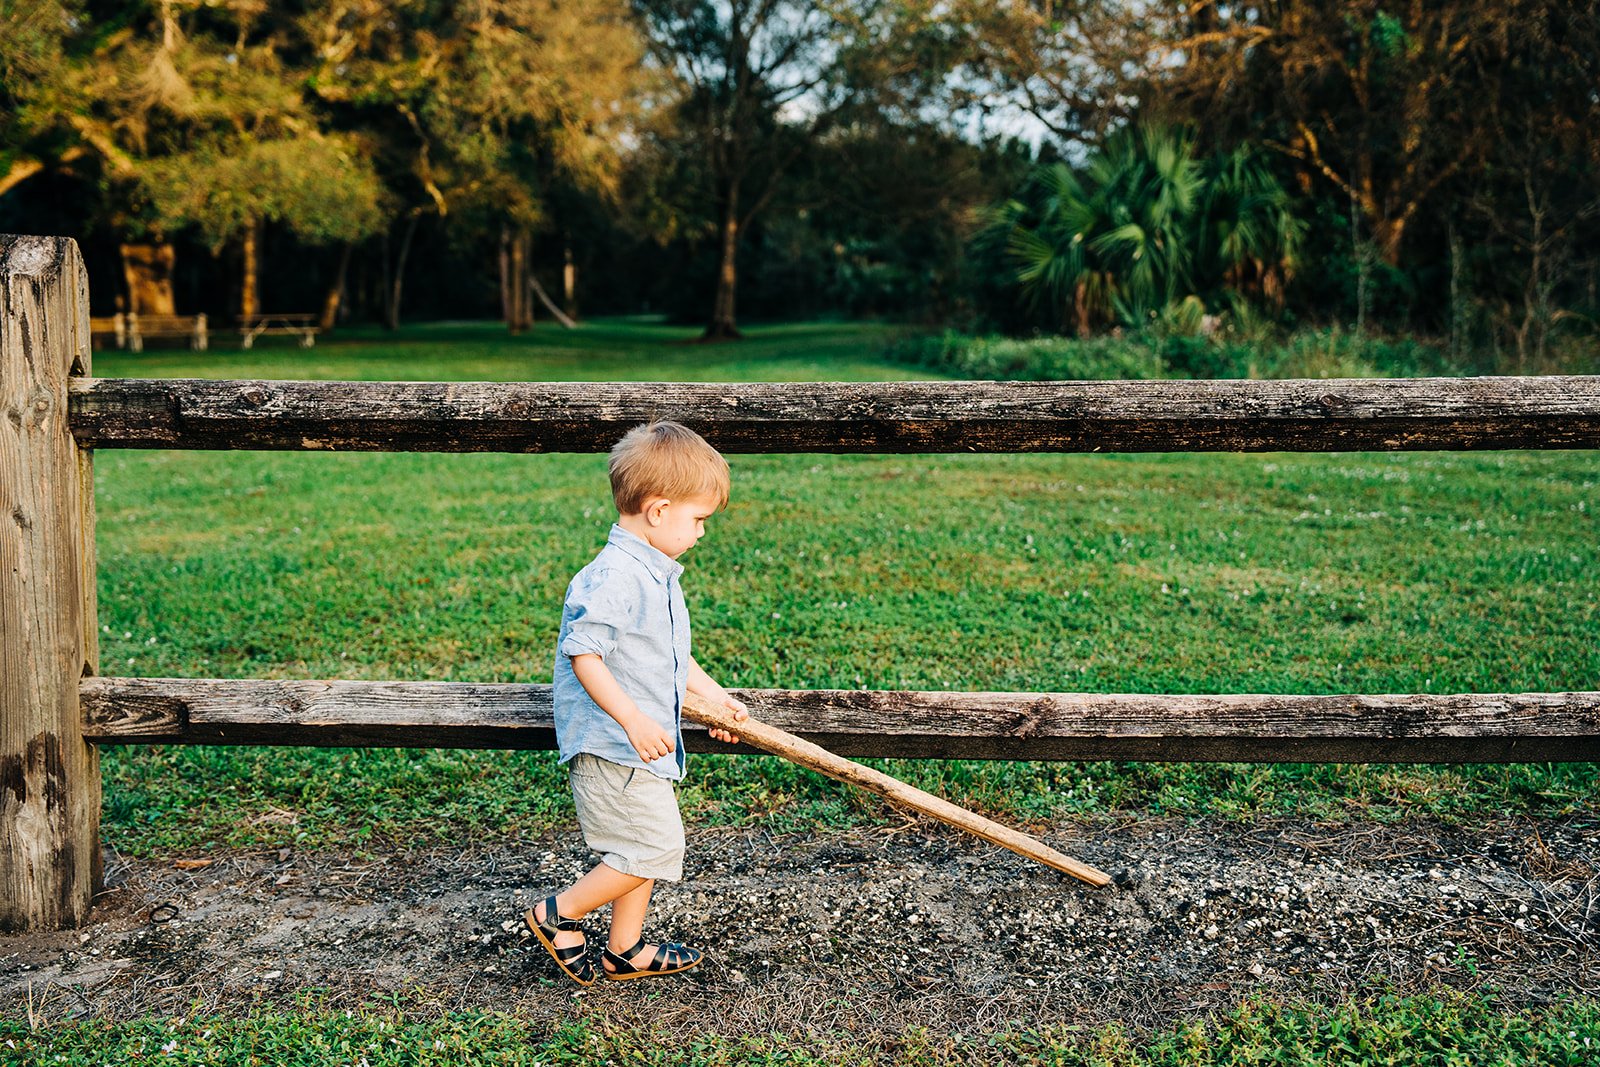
622	666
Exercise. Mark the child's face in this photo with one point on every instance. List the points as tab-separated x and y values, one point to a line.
675	525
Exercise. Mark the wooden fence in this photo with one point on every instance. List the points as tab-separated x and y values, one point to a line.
55	708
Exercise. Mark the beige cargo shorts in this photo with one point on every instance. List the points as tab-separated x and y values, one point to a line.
629	815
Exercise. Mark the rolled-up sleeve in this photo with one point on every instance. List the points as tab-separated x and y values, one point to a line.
598	613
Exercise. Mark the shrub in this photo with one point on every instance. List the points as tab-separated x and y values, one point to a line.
1162	353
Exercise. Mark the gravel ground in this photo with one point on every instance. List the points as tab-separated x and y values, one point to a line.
861	930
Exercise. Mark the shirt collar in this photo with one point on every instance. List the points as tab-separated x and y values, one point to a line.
661	566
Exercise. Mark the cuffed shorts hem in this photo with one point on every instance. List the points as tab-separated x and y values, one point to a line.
629	815
665	869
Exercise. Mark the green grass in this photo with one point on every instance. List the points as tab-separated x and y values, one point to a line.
1309	573
1427	1031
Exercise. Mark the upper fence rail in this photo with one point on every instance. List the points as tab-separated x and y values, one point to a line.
1304	415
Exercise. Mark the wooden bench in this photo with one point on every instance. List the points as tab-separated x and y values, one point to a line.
304	326
191	327
115	326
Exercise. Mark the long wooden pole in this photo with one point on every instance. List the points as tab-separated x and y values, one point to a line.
798	750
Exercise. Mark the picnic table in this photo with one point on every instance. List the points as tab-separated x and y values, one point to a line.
304	326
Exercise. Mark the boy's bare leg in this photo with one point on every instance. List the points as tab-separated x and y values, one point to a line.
627	918
602	885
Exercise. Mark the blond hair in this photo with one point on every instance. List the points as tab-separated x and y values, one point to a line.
664	458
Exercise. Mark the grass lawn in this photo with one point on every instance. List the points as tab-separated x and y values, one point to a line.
1308	573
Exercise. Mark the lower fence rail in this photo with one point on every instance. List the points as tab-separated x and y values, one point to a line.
1257	728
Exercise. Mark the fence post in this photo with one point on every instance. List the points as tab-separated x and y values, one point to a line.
49	776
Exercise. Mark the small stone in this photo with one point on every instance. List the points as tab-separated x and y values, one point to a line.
272	974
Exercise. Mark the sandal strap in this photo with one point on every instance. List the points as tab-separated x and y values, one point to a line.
668	956
620	960
553	918
626	954
681	954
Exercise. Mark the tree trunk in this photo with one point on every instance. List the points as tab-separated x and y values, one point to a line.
723	326
1458	308
1387	234
391	311
569	281
147	272
1080	307
335	295
1360	250
250	285
550	305
507	313
516	294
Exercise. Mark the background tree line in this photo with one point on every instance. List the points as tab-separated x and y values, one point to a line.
996	165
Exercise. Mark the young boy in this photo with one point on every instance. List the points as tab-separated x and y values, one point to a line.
622	666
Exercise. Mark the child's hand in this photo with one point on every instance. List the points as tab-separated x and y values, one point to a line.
648	739
739	712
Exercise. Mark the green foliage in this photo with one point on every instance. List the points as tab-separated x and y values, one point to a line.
1032	359
1395	572
320	188
1145	224
1442	1029
1170	349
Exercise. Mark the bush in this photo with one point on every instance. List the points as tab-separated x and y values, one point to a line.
1031	359
1161	353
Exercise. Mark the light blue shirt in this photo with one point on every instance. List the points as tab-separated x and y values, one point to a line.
626	606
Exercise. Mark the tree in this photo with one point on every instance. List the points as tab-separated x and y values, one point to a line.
1377	102
192	112
760	81
1145	224
32	54
475	107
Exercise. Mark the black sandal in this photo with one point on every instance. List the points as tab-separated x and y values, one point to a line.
670	958
573	959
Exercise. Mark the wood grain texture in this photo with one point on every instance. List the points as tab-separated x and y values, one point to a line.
769	738
49	778
1478	727
1348	414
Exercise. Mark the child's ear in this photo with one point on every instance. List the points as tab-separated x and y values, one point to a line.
653	511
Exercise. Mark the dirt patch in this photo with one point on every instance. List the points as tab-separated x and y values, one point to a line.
859	930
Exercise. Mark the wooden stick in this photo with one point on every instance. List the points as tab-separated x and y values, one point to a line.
798	750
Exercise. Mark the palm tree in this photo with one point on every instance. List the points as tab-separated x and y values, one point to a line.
1249	237
1144	225
1150	183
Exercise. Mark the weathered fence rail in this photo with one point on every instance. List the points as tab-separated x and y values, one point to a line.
53	710
1262	728
1113	416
